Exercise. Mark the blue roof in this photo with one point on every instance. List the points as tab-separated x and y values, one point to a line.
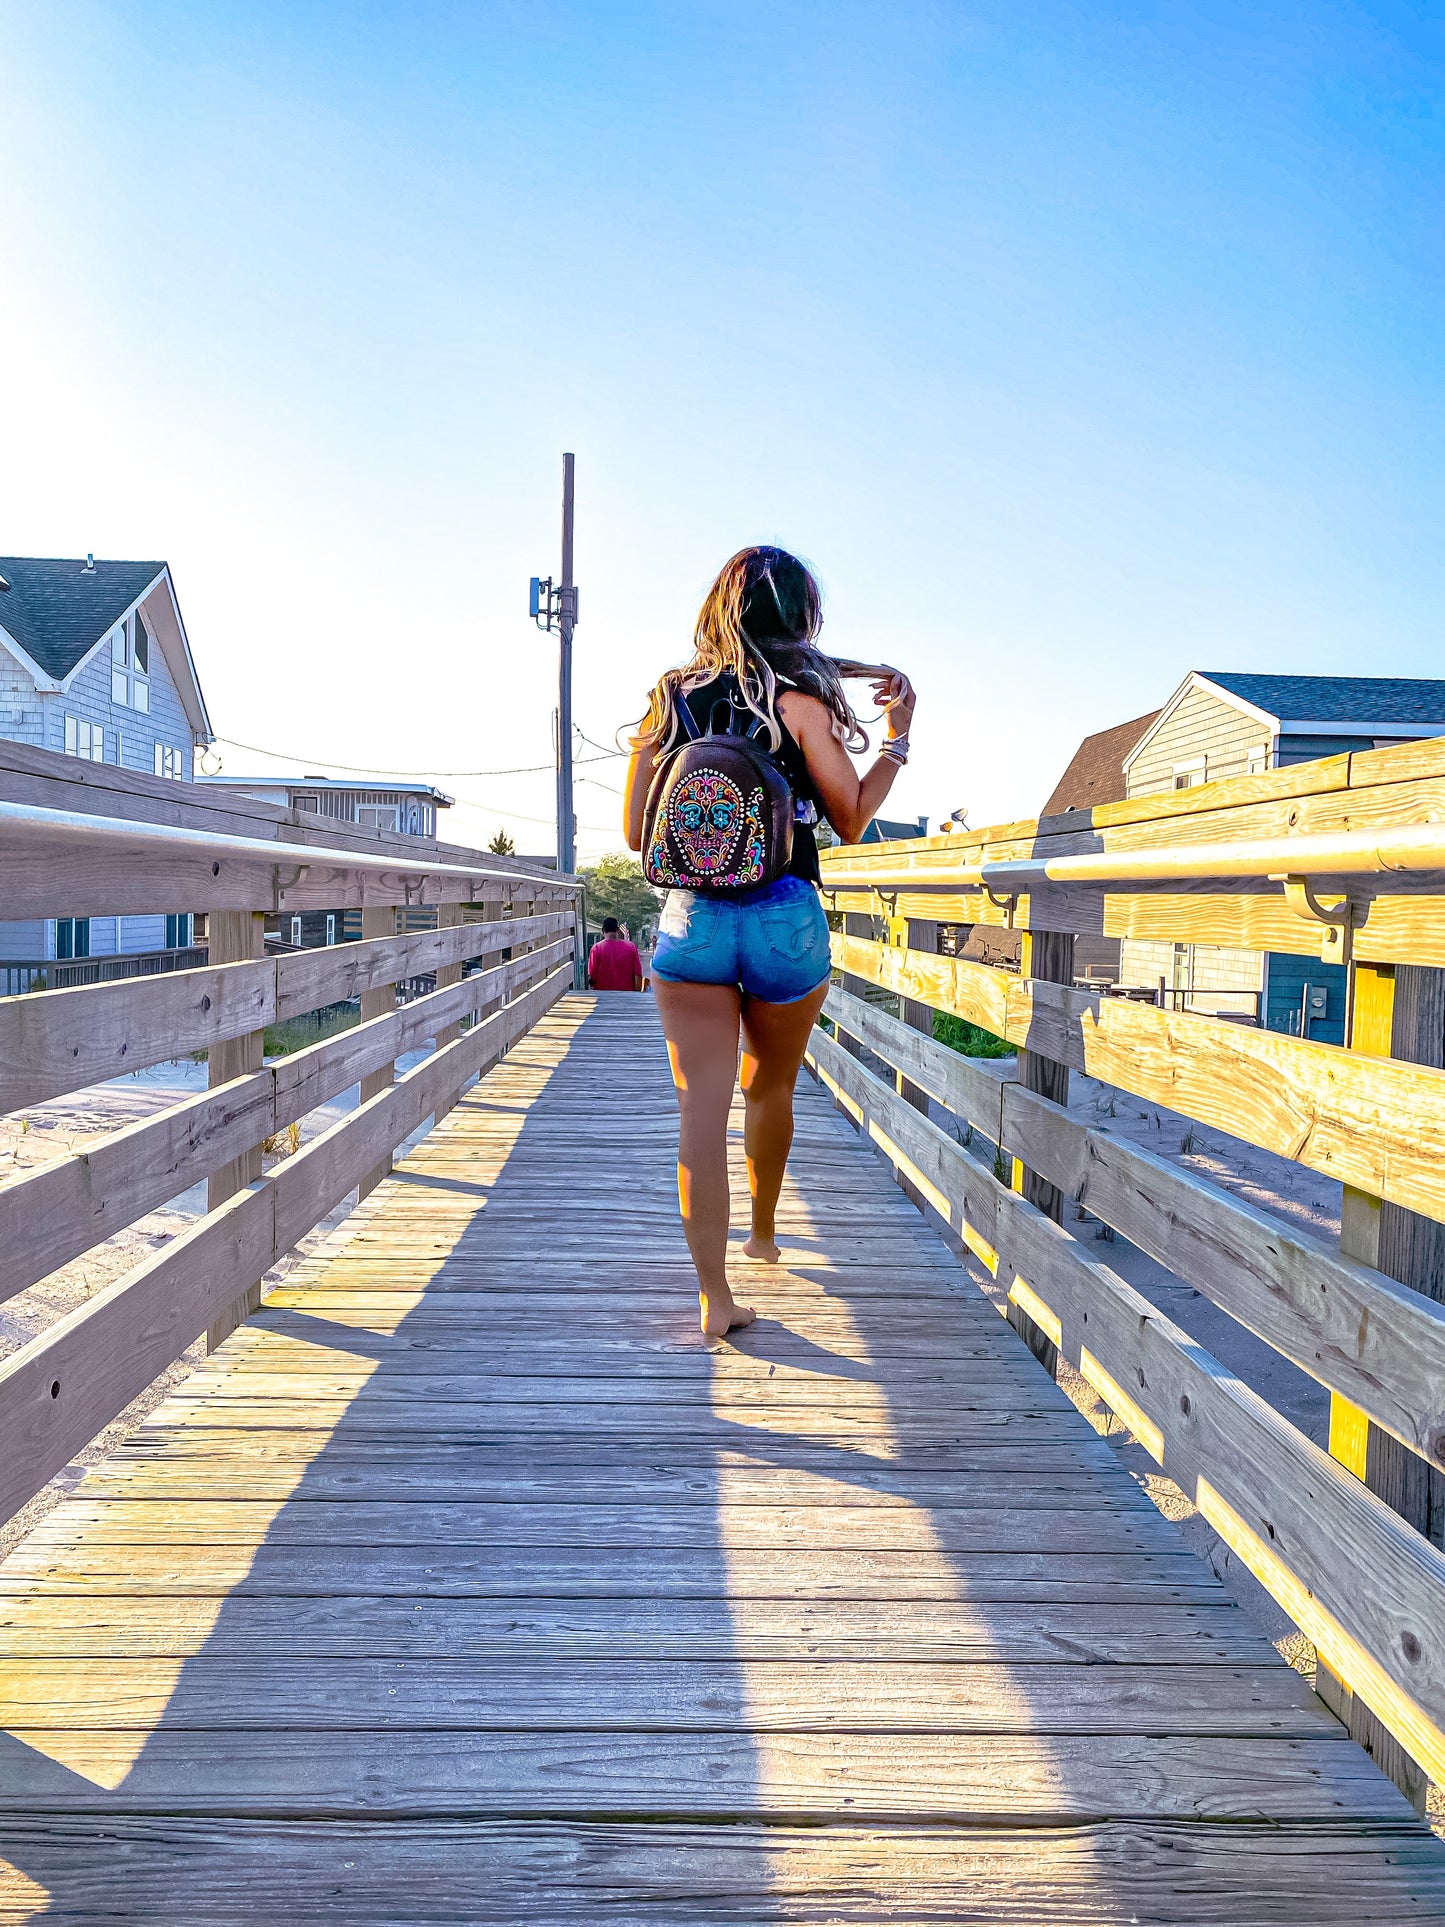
1381	700
59	610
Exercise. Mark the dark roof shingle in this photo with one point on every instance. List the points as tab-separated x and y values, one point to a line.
1096	773
1410	700
57	610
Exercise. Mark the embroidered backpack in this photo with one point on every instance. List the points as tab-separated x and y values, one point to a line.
719	815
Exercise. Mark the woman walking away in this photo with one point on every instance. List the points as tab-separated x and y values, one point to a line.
738	753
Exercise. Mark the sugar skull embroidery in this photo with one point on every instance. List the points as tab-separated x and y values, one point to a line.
705	818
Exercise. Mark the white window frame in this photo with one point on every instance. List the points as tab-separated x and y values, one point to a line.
130	647
1188	776
369	815
84	739
170	762
330	927
1256	761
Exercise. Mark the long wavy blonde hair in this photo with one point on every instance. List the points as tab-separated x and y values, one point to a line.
759	621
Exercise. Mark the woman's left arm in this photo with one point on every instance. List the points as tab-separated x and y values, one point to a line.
634	795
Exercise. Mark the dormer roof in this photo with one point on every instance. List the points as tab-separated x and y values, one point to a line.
55	612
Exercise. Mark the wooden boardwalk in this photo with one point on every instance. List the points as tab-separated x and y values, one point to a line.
465	1584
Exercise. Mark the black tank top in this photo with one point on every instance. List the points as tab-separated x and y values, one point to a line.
807	804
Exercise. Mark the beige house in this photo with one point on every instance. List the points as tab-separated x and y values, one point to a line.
1219	724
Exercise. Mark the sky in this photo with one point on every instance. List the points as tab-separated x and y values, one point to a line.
1075	345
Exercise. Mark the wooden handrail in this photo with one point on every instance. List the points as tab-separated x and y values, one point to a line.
66	1385
1347	1325
1224	864
1373	1122
1363	1585
56	1041
52	1214
162	847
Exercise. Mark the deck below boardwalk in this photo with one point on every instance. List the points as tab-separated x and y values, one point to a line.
465	1584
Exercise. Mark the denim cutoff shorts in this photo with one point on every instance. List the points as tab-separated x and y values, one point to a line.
773	942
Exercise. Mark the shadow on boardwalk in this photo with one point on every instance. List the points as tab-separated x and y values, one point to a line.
466	1584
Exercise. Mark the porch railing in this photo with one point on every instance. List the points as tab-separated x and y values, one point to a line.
79	840
1342	859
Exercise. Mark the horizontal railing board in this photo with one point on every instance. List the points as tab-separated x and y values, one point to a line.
1364	1586
57	1041
1371	1122
52	879
49	780
1405	925
54	1213
1399	919
308	979
1354	1329
65	1386
1400	787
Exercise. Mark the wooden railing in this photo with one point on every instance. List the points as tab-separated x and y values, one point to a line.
80	839
1345	859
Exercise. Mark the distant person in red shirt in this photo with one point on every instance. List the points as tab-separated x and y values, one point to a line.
614	964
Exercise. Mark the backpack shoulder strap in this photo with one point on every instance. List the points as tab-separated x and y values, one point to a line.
685	716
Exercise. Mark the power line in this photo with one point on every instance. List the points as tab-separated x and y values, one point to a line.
320	762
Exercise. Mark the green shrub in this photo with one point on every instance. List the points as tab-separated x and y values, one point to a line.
296	1033
969	1040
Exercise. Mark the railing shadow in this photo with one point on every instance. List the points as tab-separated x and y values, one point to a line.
439	1609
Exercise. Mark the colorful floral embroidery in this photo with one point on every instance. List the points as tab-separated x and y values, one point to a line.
659	868
755	849
705	818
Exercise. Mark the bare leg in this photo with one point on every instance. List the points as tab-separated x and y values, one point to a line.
700	1022
774	1039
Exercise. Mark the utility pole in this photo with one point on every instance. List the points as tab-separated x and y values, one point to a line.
566	823
554	607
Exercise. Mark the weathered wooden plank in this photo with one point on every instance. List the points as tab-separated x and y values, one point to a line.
64	1040
483	1694
1367	1122
1361	1584
1399	918
1347	1324
41	1625
1021	1780
315	1522
413	1573
168	1872
308	979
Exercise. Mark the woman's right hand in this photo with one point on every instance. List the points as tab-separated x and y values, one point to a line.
893	694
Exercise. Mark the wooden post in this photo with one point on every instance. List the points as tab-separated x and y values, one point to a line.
855	924
1048	957
234	936
449	917
915	933
377	922
1395	1011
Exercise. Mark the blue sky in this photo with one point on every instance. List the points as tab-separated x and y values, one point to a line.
1076	345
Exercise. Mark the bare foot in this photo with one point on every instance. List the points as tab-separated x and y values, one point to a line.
765	1250
723	1315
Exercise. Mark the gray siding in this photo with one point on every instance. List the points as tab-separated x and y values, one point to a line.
22	717
24	939
88	697
27	716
